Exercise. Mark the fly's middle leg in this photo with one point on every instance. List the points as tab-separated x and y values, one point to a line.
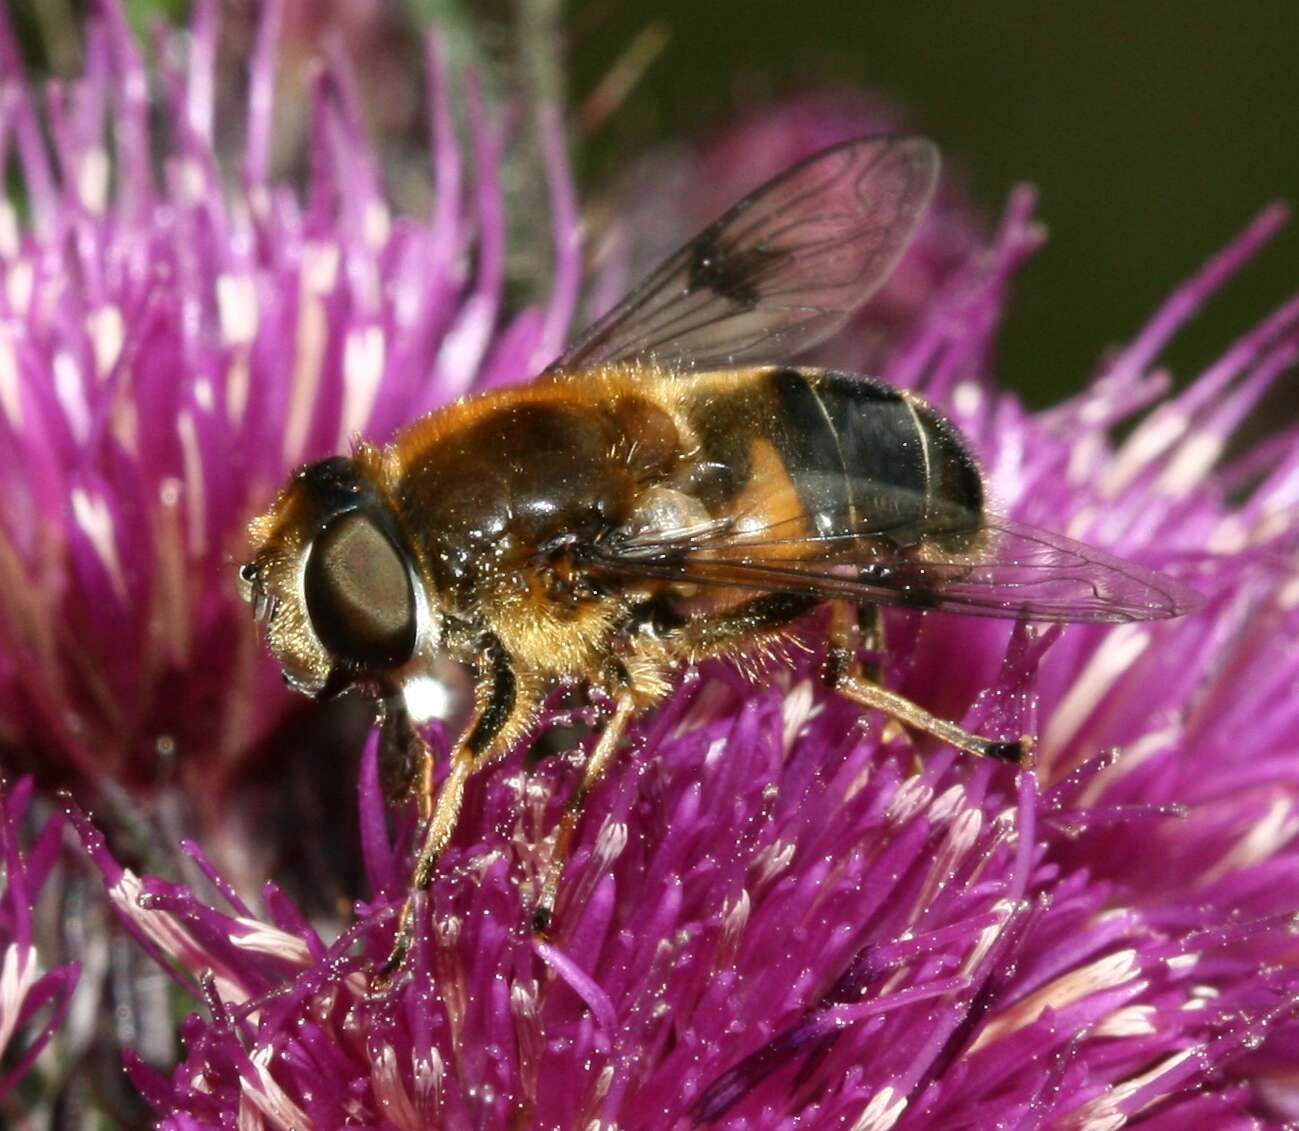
599	760
642	680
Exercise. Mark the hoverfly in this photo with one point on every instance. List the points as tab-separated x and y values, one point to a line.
662	494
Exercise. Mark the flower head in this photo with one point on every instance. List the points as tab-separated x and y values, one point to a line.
777	912
175	336
777	915
33	1003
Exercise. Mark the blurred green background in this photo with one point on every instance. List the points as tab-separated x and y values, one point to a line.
1153	130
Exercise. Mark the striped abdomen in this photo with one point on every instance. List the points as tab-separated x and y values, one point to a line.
862	458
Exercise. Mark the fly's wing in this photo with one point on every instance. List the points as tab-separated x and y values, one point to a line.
779	272
958	561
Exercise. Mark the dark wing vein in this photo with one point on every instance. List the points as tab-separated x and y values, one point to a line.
1012	570
827	232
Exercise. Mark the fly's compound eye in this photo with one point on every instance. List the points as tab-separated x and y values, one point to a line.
359	594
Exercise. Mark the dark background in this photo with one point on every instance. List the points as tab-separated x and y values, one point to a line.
1153	130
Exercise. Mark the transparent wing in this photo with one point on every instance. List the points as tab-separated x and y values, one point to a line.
1002	569
781	270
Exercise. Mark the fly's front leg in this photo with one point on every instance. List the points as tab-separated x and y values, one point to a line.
504	712
844	673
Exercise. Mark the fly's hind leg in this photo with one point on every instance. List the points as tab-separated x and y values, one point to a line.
843	672
644	681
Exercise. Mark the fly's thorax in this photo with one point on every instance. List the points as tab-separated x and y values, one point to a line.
334	580
491	486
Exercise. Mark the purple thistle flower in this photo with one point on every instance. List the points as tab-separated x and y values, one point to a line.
32	1004
172	341
774	916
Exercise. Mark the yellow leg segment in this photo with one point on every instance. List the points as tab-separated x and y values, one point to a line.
601	758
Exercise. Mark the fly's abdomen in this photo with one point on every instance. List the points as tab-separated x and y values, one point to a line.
866	459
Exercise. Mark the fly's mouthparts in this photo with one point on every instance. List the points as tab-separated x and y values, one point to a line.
264	607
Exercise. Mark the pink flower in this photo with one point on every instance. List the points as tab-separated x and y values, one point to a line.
33	1002
175	336
776	915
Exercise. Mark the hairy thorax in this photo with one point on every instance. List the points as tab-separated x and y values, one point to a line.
502	494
